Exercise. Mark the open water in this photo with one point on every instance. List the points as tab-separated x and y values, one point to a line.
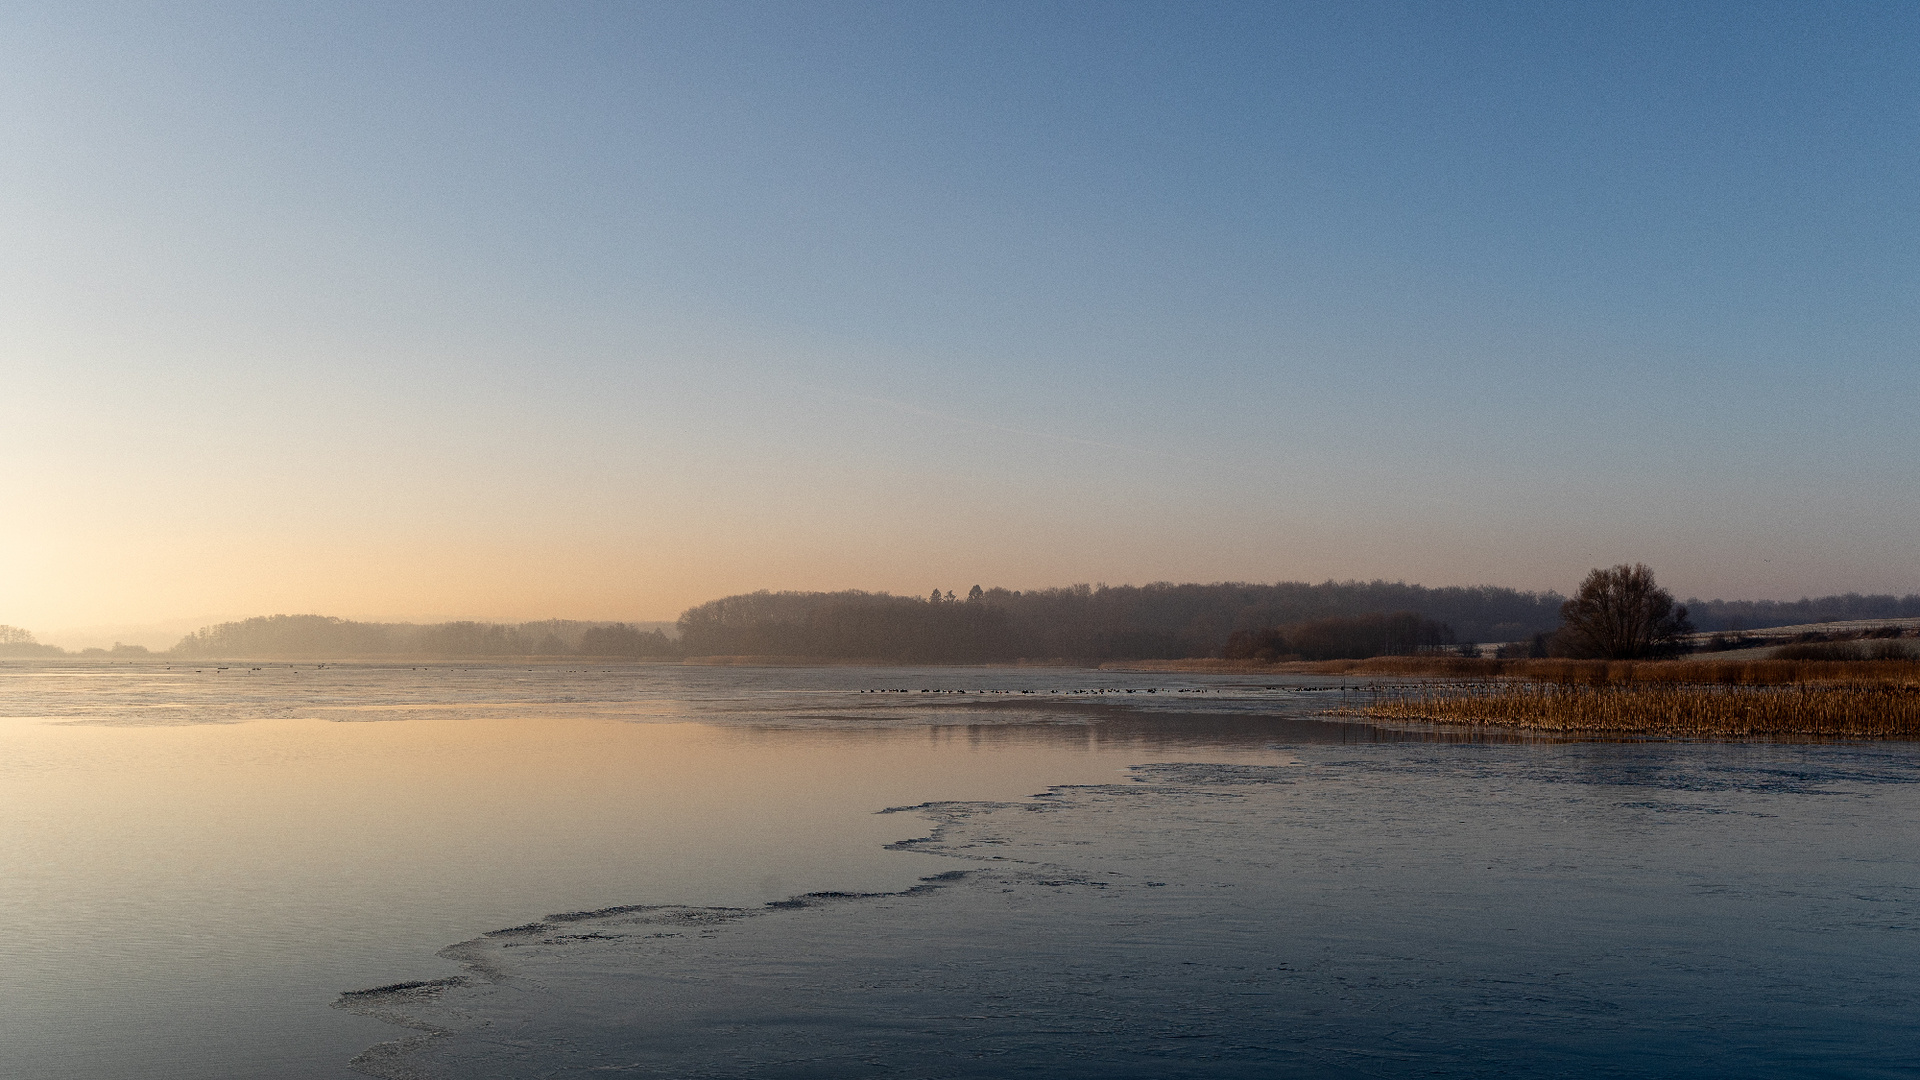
1210	880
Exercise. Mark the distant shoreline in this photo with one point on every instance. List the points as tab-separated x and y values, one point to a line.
390	660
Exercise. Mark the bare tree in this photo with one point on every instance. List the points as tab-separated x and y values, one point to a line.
1621	614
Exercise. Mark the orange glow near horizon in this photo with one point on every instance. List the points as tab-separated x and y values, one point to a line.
299	314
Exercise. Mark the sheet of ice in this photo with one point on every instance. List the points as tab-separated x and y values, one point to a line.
1390	910
194	861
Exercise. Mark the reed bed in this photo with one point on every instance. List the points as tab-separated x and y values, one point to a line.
1634	672
1872	710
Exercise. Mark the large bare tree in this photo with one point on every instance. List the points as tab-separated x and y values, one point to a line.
1621	614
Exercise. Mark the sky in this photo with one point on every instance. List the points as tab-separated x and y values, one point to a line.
601	310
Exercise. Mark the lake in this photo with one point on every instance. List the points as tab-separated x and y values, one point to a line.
1210	879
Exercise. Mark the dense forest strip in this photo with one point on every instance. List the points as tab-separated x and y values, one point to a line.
1083	623
1164	621
1852	710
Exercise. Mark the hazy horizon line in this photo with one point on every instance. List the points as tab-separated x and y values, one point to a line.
148	632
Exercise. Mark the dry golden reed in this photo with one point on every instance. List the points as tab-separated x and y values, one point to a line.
1881	710
1569	672
1632	672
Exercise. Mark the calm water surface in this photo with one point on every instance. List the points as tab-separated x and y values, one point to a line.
195	862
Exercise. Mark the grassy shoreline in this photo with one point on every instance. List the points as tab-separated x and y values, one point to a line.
1743	672
1865	710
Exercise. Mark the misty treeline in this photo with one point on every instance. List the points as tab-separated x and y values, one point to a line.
321	636
1148	622
1341	637
17	642
1332	620
1718	615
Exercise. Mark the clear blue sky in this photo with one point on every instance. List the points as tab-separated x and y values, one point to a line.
514	310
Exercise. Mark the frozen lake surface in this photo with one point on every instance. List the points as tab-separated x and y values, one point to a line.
1206	881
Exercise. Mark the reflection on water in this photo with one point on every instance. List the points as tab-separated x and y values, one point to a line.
1396	910
196	860
143	694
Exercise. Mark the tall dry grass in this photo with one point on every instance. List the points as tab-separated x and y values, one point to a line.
1633	672
1882	710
